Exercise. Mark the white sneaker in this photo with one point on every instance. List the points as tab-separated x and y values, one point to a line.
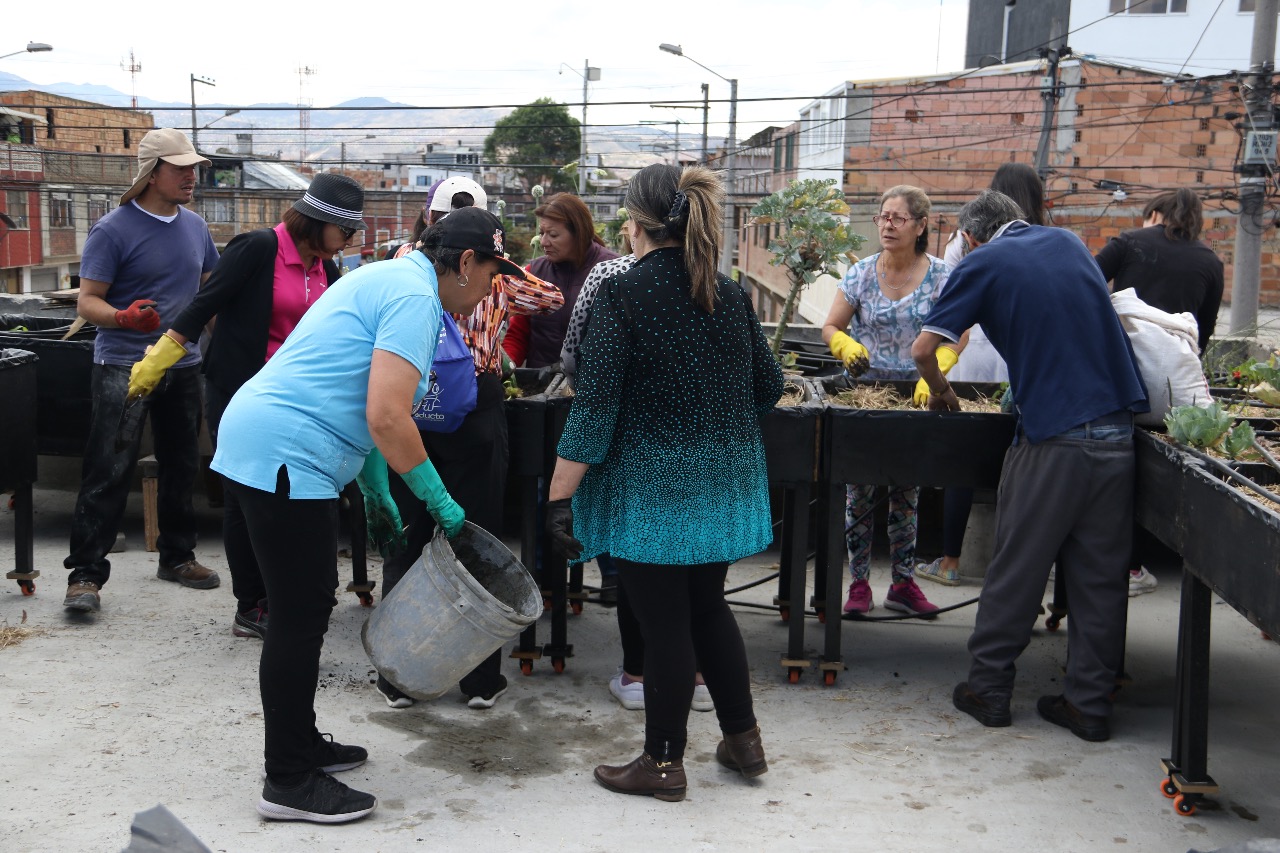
702	699
1142	582
629	696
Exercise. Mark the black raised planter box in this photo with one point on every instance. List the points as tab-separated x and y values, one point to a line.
18	388
914	447
791	437
18	392
63	398
1226	538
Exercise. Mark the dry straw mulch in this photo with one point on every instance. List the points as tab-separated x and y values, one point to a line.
882	397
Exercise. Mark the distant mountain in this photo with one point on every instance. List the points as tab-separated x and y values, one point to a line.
274	126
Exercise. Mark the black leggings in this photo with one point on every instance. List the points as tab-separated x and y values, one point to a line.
686	622
296	545
956	504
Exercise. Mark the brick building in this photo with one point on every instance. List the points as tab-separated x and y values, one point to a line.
70	164
1113	128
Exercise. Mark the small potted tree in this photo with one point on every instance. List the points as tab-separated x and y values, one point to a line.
813	239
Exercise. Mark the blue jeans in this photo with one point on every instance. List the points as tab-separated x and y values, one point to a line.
107	473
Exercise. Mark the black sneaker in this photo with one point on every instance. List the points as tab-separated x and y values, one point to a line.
1060	712
487	700
992	713
334	757
395	698
319	798
251	624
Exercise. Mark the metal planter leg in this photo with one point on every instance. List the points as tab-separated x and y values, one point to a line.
1187	778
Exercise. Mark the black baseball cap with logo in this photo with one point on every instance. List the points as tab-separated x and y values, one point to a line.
478	230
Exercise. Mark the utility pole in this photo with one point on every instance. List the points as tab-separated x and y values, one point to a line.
731	210
1259	163
706	112
1049	91
588	74
195	128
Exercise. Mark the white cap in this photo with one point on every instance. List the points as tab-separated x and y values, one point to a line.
449	187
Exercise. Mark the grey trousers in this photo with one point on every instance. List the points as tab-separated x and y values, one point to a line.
1068	500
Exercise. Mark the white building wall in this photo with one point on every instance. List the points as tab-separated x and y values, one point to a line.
1165	42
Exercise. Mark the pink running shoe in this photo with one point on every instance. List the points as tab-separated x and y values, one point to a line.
860	598
906	597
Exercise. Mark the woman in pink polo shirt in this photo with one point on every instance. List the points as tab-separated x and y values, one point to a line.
263	284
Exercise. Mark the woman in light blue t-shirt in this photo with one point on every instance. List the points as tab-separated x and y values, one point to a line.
334	404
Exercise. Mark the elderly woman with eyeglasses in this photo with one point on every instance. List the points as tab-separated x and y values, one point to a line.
883	301
264	282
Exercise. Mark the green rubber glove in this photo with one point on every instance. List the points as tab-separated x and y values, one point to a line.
146	374
427	485
947	358
382	518
854	355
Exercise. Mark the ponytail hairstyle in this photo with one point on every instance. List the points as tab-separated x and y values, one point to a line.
1181	210
682	207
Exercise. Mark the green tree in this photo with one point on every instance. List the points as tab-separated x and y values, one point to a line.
538	139
813	239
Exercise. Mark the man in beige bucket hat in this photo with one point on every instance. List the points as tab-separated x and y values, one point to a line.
142	263
168	145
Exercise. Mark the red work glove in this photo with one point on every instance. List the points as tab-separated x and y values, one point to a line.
141	316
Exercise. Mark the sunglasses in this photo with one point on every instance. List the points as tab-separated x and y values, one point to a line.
348	233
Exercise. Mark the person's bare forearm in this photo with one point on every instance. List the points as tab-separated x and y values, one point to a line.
564	481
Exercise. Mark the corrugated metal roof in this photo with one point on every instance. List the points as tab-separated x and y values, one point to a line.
261	175
19	114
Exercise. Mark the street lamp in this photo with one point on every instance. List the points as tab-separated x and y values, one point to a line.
208	81
342	146
588	75
32	47
218	119
730	212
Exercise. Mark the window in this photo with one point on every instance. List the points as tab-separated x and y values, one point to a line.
1246	5
789	154
128	141
1154	7
51	131
62	213
218	210
423	181
777	155
98	207
15	204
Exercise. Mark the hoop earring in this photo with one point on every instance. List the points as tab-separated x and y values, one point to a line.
463	281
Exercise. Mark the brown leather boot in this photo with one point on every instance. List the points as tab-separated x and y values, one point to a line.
743	752
190	574
645	777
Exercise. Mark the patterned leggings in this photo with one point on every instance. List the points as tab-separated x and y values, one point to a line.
859	524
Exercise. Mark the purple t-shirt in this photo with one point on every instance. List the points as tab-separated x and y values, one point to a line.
142	257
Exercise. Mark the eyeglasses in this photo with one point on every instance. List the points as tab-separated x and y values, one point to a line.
892	219
348	233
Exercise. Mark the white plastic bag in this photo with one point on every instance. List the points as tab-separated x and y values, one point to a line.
1168	355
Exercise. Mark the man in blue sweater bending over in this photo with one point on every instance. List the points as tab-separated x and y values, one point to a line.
1066	490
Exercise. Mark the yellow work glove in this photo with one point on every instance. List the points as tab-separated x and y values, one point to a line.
147	373
854	355
947	358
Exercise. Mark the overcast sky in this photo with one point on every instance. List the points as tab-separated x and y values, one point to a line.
500	52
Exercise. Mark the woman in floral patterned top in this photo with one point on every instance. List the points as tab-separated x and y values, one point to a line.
884	300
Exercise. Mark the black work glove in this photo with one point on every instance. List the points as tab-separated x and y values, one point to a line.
560	528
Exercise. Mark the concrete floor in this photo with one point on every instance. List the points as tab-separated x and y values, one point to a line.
154	701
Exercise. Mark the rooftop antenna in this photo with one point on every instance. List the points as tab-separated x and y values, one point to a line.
304	110
133	68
